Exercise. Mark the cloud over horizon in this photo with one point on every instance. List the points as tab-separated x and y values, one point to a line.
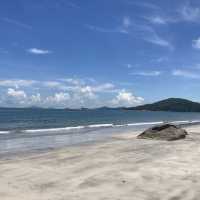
70	92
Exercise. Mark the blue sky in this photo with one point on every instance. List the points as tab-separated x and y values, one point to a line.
91	53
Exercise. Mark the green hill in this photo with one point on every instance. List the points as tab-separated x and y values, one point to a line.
171	104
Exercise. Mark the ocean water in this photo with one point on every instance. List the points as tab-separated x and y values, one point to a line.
23	130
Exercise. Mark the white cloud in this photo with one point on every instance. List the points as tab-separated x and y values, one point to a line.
16	93
145	32
196	43
17	83
159	41
35	99
185	74
100	29
126	22
20	98
87	92
71	4
73	81
145	5
17	23
185	13
67	92
161	59
107	30
129	66
157	20
103	87
59	98
121	28
51	84
55	84
126	99
189	13
154	38
125	26
146	73
81	85
148	34
39	51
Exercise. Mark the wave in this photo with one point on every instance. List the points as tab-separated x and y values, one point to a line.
68	128
95	126
53	129
99	125
145	123
4	132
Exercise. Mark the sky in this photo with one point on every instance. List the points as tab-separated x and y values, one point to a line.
93	53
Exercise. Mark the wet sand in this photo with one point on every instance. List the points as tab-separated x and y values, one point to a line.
121	168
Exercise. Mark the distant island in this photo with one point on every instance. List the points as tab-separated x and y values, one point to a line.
171	104
64	109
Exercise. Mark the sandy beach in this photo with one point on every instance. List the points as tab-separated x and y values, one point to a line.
120	168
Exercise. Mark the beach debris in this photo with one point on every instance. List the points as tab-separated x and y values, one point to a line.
167	132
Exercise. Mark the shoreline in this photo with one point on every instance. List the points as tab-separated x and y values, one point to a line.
117	168
109	138
29	143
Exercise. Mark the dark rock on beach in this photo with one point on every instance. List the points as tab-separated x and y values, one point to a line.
167	132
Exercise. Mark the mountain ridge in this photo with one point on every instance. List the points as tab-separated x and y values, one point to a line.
170	104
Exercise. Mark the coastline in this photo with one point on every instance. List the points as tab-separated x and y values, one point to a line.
120	167
18	142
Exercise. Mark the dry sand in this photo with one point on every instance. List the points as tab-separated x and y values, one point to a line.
121	168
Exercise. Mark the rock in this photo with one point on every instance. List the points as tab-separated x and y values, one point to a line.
167	132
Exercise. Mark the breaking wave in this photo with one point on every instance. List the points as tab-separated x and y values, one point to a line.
93	126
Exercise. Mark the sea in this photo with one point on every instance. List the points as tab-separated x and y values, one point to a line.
34	129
